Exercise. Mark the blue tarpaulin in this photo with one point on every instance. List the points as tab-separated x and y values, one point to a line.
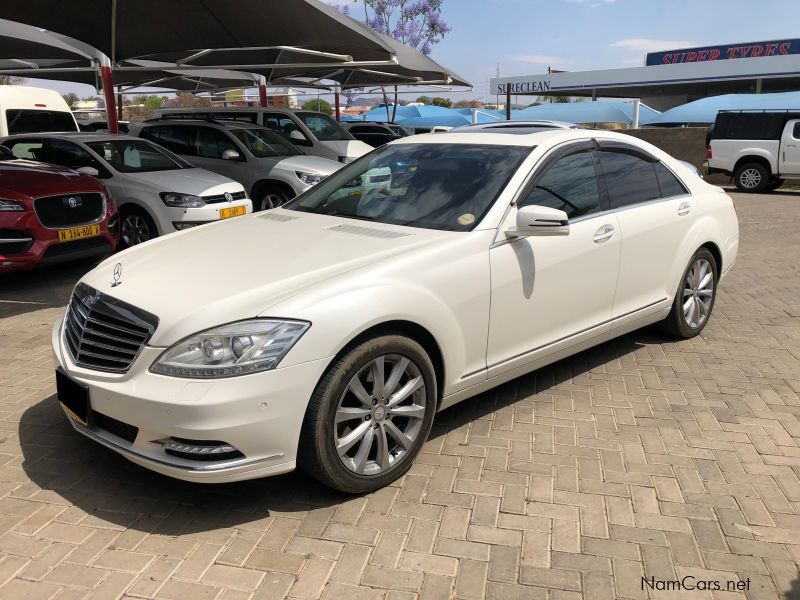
704	111
586	112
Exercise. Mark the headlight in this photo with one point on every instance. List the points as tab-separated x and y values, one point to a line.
309	178
10	205
181	200
235	349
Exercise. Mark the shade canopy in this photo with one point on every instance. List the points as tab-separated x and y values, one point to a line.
586	112
704	111
23	45
174	30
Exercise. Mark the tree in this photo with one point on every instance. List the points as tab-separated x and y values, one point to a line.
188	99
11	80
445	102
468	104
319	105
426	100
415	23
72	99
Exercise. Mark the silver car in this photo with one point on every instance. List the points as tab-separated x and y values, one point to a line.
272	170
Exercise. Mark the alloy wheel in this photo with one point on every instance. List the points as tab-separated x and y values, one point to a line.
750	178
271	201
698	292
380	415
134	230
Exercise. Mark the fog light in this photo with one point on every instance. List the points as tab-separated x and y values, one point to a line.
206	450
179	225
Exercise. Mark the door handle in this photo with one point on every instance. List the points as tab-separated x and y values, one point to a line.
604	233
684	209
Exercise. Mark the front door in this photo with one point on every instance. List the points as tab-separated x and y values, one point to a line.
550	291
790	148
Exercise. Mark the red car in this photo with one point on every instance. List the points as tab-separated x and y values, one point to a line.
50	214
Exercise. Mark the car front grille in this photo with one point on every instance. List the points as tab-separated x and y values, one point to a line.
104	333
69	210
217	198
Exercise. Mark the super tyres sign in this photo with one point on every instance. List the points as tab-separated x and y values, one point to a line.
728	52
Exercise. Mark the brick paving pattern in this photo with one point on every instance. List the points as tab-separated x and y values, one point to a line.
642	457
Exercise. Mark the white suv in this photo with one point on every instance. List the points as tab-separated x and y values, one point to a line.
156	192
270	168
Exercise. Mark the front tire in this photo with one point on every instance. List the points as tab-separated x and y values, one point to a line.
270	197
136	226
369	415
695	298
752	178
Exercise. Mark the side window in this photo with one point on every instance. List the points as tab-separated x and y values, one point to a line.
796	131
71	155
211	143
669	184
176	139
29	149
570	184
281	124
629	178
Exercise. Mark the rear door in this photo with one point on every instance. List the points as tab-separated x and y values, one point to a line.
654	210
790	148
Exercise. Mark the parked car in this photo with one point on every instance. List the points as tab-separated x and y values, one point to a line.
376	134
25	109
157	192
515	126
316	133
95	120
50	215
270	168
759	149
485	258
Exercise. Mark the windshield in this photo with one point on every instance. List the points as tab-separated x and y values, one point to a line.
265	143
437	186
324	127
136	156
22	120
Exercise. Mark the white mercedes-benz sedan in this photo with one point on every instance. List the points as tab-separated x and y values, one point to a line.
327	333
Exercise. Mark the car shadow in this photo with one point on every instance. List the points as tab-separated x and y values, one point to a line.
47	287
107	487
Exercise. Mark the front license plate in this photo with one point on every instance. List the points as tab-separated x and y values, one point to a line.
78	233
73	396
233	211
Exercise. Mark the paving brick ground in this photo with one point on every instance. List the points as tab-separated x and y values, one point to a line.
640	457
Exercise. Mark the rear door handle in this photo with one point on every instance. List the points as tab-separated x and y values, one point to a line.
684	209
604	233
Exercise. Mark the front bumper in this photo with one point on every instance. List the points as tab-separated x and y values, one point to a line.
261	415
180	218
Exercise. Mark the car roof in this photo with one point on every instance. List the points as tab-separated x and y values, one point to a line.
76	136
530	137
221	123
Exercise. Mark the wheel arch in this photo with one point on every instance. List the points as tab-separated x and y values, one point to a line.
264	184
753	158
128	203
716	253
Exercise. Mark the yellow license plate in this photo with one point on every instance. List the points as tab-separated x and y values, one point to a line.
233	211
356	193
78	233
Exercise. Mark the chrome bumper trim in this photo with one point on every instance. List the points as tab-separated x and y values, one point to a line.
200	468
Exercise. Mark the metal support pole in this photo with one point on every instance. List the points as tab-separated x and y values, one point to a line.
635	124
337	104
758	85
108	96
119	104
474	115
262	92
594	95
508	102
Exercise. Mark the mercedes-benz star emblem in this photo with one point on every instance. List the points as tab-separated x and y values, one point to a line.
117	275
228	196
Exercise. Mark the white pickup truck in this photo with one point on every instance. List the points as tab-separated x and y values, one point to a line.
759	149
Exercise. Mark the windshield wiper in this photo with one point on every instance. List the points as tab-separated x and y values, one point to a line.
337	213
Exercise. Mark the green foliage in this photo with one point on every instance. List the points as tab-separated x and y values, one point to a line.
72	99
446	102
318	105
427	100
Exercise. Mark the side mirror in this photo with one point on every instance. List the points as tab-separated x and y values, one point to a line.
230	155
298	138
539	220
88	171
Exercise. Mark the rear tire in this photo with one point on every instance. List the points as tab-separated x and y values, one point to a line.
136	226
694	300
752	178
359	436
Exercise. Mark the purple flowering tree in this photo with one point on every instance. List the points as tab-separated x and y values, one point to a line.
415	23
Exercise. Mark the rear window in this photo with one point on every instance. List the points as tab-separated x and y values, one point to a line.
21	120
748	126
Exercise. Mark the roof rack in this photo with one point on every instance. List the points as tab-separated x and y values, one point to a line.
762	110
200	115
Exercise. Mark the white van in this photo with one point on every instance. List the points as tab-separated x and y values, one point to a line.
25	109
316	133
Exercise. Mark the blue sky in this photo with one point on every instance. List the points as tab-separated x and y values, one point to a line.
527	36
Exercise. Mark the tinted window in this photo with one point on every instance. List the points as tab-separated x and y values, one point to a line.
281	124
29	149
20	120
796	131
569	185
324	127
178	139
70	155
264	143
436	186
629	179
748	126
669	184
211	143
136	156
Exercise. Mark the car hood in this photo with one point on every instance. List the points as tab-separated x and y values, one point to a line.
187	181
313	164
351	148
238	269
27	179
